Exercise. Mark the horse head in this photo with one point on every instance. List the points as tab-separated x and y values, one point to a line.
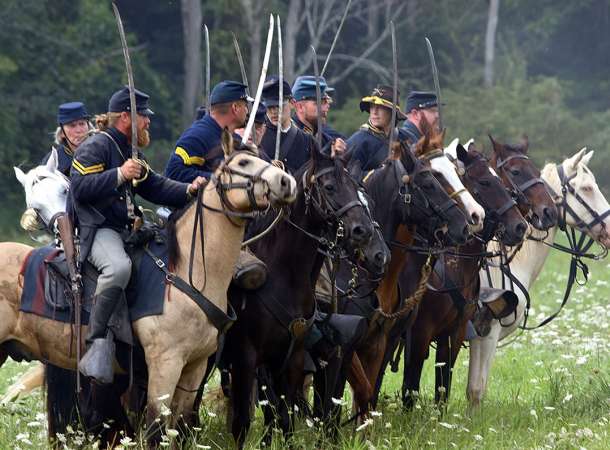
375	256
522	177
582	205
503	217
430	207
430	147
336	198
46	189
247	183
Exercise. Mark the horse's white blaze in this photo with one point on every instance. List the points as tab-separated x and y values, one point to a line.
444	166
530	259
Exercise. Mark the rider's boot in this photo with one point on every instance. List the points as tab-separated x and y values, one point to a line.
250	272
98	361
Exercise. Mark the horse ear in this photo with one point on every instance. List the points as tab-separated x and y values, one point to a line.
574	160
497	147
21	177
587	158
462	154
226	142
525	143
469	143
408	160
52	162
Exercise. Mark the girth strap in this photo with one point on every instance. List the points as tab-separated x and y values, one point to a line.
221	320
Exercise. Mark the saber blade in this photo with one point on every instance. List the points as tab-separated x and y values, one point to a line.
280	61
437	85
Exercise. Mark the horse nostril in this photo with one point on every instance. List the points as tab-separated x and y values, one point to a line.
475	219
549	213
284	182
520	229
379	258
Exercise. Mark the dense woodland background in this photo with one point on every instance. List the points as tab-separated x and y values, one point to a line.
507	67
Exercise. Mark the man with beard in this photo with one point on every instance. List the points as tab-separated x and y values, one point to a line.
294	143
420	106
368	147
329	95
198	151
306	110
72	129
102	199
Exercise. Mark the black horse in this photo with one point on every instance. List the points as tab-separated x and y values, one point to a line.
403	191
274	321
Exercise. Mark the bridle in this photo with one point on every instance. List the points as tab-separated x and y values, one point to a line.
562	202
439	153
518	190
408	188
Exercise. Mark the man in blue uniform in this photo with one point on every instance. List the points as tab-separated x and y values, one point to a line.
72	129
295	144
306	110
102	198
420	105
368	147
198	150
198	153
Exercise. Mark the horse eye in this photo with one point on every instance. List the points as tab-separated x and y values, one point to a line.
587	188
329	188
428	186
243	163
515	172
484	182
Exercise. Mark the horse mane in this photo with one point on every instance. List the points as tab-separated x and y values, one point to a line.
173	247
431	139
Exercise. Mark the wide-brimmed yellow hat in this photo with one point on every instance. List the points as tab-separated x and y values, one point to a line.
382	96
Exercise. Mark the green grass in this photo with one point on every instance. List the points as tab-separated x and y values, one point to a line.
548	389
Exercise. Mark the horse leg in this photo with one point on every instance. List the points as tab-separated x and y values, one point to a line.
361	386
243	372
288	384
186	392
442	369
26	383
164	372
418	350
482	351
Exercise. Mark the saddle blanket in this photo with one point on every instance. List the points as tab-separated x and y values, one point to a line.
47	293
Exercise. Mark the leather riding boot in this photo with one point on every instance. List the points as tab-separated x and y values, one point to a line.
98	361
250	272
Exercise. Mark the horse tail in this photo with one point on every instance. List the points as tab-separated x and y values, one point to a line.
62	401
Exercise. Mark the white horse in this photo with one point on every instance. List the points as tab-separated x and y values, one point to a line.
530	259
46	192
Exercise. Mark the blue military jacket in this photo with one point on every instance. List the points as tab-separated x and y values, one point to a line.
294	146
96	198
198	151
64	159
368	147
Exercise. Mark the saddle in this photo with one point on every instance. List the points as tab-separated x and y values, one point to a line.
47	285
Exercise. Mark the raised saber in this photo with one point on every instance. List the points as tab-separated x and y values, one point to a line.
261	81
206	34
280	63
242	67
394	89
332	47
318	98
437	86
132	92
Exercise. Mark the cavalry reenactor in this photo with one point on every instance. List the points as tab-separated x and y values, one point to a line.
72	129
368	147
306	110
102	199
198	151
259	127
420	105
294	142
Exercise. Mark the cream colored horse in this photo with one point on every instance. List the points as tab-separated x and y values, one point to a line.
530	259
178	343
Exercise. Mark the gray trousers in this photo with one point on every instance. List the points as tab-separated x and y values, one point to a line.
109	257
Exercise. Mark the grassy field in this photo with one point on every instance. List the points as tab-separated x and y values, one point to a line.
549	389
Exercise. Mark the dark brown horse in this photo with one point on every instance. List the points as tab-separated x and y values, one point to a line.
451	300
274	321
418	201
